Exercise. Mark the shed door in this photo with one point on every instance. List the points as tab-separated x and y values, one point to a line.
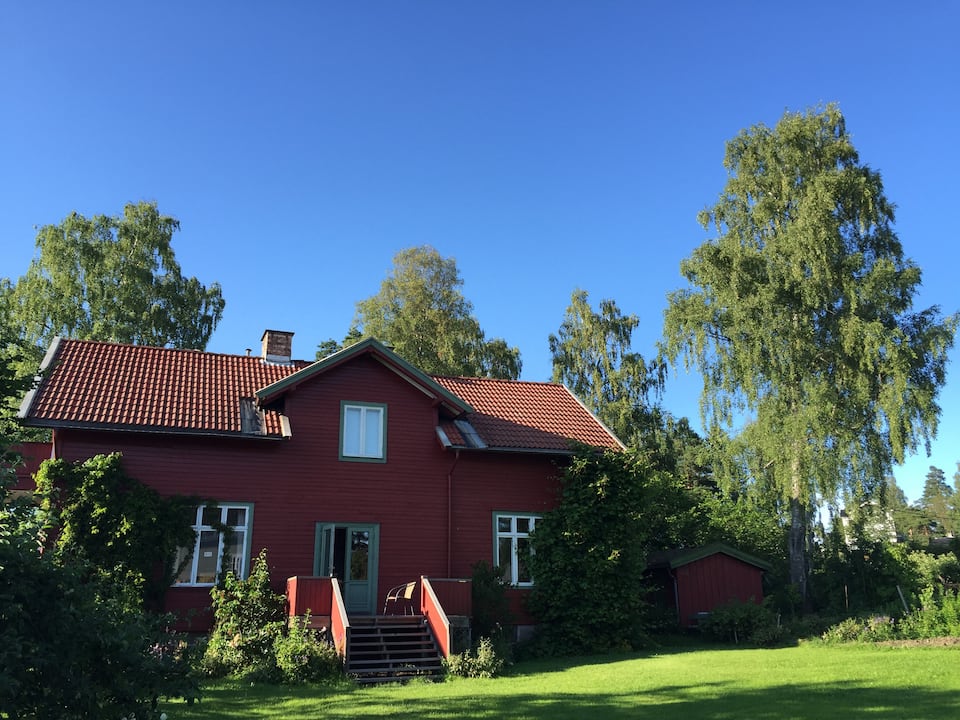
349	552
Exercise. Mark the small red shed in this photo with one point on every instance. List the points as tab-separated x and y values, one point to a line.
696	580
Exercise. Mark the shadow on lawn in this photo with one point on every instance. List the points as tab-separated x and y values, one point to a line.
717	701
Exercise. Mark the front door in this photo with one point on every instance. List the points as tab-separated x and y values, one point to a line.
349	552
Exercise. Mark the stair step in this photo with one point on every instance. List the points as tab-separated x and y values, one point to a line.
392	648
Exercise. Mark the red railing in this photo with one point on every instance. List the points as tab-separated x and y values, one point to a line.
339	622
321	598
436	618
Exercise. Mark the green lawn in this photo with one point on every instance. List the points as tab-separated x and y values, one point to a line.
810	681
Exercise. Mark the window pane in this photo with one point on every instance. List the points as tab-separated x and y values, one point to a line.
211	516
523	555
373	424
505	558
236	517
351	431
503	524
233	553
523	525
184	556
207	558
359	545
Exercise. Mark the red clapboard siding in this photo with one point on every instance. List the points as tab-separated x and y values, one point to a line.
415	496
714	580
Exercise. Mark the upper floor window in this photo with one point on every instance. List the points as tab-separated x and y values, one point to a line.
512	546
222	544
363	433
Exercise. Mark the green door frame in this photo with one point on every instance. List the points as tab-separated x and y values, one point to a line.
353	549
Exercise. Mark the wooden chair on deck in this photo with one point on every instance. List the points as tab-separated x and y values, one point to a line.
400	599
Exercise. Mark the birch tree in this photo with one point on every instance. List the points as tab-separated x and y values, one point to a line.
112	278
799	315
421	312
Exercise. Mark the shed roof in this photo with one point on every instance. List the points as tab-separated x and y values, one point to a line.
684	556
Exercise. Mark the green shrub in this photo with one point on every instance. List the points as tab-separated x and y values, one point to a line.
484	662
743	622
72	647
590	553
936	617
847	630
302	655
248	618
491	607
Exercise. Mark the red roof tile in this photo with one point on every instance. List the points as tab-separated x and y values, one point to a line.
135	386
527	415
96	384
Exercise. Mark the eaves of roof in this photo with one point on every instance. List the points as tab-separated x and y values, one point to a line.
685	556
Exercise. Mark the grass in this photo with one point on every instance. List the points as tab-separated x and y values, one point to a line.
809	681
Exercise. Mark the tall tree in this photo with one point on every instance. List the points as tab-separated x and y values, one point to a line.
799	314
935	503
422	314
592	356
111	278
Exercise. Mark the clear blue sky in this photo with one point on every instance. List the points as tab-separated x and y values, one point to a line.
545	146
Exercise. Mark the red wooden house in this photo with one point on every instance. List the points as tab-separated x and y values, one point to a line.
358	466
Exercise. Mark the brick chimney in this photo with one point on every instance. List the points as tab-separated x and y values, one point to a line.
276	346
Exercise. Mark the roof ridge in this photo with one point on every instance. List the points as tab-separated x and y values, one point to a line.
498	380
163	348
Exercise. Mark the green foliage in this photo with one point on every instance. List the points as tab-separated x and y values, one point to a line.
72	645
484	662
422	314
937	507
96	514
591	356
248	619
799	312
743	622
491	606
590	553
302	655
936	616
114	279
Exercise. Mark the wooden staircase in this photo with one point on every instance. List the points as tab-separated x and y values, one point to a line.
391	648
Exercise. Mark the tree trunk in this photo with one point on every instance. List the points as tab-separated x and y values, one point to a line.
798	534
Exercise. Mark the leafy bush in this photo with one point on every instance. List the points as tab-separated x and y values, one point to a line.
591	552
71	646
302	655
491	607
123	530
248	618
743	622
484	662
250	638
847	630
937	617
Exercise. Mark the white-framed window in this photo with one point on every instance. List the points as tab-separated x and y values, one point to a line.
511	546
222	544
363	432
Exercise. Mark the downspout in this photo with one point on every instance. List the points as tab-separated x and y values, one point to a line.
456	459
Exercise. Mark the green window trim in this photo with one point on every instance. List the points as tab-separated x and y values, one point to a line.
363	432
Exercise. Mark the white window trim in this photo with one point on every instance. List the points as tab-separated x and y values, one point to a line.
199	527
364	408
514	535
